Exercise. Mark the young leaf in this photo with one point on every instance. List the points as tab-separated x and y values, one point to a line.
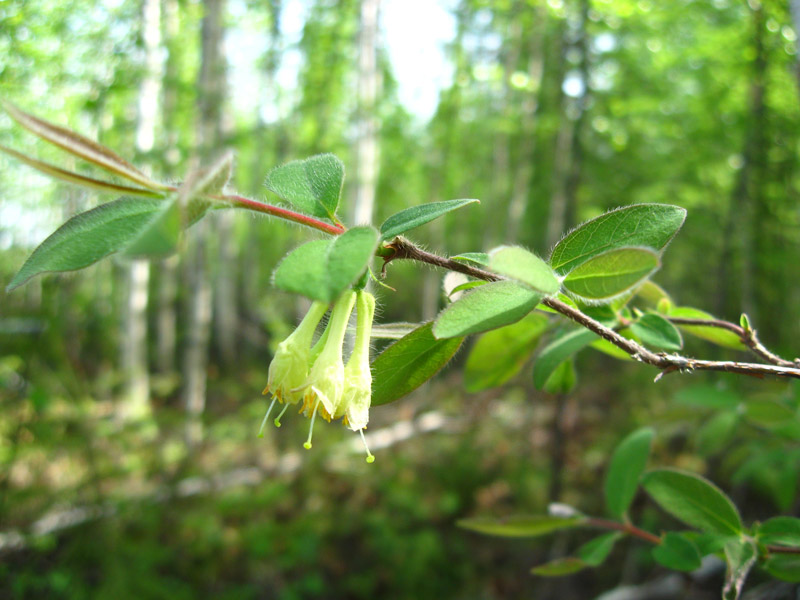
520	526
740	556
209	180
594	552
323	269
160	236
408	363
557	351
517	263
90	236
612	273
413	217
500	354
651	295
715	335
693	500
654	330
650	225
563	379
77	179
677	552
626	467
479	259
81	146
312	186
559	567
784	566
783	531
487	307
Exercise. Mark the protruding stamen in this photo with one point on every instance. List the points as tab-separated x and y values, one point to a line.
266	416
307	445
278	418
370	457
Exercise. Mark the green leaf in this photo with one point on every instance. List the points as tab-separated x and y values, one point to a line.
557	351
77	179
469	285
783	531
81	146
488	307
408	363
650	225
626	467
563	379
498	355
610	349
323	269
651	294
312	186
654	330
559	567
612	273
479	259
693	500
740	556
413	217
773	416
715	433
520	526
517	263
715	335
90	236
784	566
159	237
708	396
677	552
594	552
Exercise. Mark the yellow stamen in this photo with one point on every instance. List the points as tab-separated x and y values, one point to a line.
370	457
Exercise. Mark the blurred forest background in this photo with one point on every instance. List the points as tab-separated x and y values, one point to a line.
130	392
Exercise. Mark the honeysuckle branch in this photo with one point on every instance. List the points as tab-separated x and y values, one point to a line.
400	248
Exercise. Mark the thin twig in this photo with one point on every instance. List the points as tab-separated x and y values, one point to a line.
624	528
401	248
283	213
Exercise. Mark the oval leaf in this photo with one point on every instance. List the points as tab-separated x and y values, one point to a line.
677	552
520	526
654	330
159	237
784	566
90	236
517	263
487	307
693	500
500	354
557	351
408	363
612	273
323	269
650	225
312	186
559	567
715	335
415	216
627	465
594	552
784	531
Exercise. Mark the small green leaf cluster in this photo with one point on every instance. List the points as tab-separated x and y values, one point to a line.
716	526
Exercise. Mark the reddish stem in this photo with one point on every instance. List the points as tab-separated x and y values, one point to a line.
283	213
625	528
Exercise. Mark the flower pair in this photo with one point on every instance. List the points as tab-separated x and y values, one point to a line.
317	375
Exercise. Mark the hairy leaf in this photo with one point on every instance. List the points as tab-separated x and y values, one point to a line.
479	259
627	465
90	236
594	552
517	263
612	273
323	269
557	351
715	335
693	500
654	330
413	217
649	225
159	237
409	362
312	186
488	307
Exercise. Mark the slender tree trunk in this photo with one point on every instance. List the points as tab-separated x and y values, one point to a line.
367	143
569	147
134	342
211	95
794	8
523	173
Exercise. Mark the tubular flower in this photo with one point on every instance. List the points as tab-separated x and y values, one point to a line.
289	367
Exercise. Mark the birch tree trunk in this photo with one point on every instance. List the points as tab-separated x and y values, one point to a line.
367	143
211	96
134	342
